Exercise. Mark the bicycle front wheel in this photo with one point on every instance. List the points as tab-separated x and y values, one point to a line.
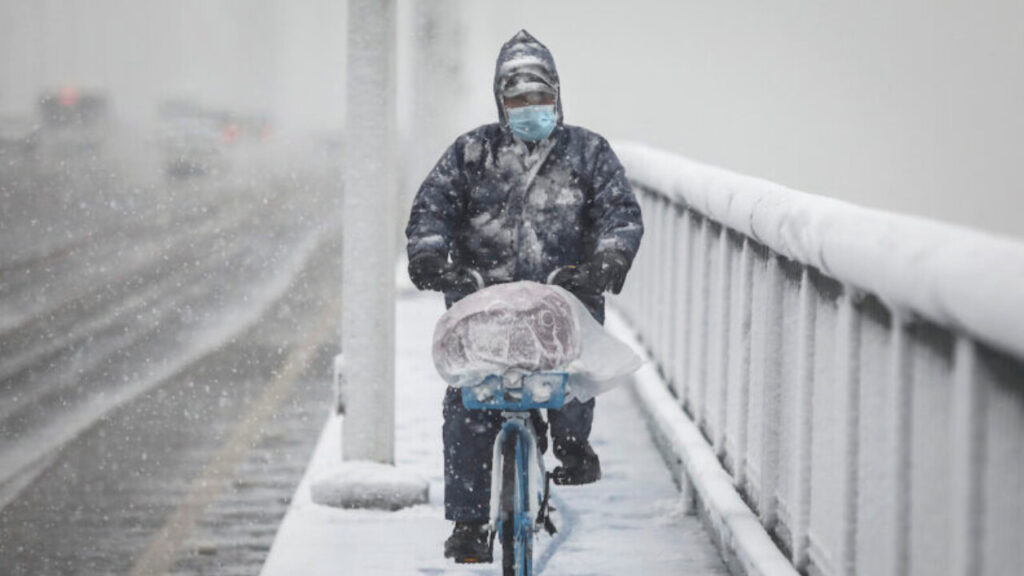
517	525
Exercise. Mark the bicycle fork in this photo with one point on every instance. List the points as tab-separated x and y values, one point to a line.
510	509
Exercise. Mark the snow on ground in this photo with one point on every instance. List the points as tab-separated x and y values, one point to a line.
629	523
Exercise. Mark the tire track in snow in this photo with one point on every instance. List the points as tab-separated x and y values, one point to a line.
564	533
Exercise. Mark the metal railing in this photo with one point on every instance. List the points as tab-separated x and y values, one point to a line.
858	373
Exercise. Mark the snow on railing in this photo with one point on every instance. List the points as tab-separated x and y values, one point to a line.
859	373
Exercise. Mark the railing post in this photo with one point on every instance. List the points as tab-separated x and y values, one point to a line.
848	372
772	393
669	264
699	333
647	264
721	362
902	388
653	278
968	457
660	280
681	317
744	338
804	419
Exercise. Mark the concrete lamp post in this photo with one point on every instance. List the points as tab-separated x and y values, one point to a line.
367	476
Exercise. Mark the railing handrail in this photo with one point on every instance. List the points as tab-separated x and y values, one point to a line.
967	280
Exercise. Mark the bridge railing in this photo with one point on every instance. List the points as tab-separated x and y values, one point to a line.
858	373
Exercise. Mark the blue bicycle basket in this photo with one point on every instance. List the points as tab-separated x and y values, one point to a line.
531	392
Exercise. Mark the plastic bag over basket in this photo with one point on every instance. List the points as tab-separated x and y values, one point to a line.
520	328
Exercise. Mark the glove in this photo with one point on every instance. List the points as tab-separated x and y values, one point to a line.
460	280
605	271
608	270
431	271
426	269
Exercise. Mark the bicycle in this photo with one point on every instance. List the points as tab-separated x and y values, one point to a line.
513	478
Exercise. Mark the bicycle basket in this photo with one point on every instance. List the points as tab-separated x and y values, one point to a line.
531	392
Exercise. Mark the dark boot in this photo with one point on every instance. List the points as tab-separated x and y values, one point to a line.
470	543
580	465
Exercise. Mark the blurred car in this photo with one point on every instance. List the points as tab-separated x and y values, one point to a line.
192	147
198	140
246	129
73	122
191	140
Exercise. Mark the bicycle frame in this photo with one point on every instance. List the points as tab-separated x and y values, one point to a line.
532	391
525	478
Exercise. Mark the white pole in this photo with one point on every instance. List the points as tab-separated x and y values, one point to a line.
367	476
368	266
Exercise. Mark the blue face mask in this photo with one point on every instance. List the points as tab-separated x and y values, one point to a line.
532	123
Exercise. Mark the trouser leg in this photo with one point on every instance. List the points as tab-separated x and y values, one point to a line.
468	450
570	426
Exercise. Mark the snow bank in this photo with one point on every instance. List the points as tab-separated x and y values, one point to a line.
965	279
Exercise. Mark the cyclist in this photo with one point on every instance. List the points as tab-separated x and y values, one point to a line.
526	198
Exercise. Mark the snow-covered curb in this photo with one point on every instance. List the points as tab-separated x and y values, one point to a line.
743	542
958	277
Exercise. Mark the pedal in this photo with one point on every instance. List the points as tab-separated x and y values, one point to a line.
544	511
549	526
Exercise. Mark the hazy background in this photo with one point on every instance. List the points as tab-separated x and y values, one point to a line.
910	106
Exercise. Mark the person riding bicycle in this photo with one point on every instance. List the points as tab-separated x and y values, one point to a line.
526	198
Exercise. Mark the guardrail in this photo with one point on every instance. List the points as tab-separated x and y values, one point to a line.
858	373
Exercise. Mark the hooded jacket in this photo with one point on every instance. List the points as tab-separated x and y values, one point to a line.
516	212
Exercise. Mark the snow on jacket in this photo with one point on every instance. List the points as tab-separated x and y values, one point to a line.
516	212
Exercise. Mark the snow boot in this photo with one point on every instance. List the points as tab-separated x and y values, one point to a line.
580	465
470	543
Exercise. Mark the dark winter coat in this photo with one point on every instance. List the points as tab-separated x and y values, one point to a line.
513	212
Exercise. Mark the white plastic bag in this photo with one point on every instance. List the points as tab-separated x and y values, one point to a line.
523	327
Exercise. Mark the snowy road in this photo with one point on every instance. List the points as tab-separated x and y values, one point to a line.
149	416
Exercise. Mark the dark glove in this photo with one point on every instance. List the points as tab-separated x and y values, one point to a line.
605	271
426	269
460	280
431	271
608	270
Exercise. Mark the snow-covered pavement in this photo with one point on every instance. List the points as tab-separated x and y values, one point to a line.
632	522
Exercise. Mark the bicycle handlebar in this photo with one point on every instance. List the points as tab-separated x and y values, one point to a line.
481	283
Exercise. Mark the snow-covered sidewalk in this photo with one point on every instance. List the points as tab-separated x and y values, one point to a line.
631	522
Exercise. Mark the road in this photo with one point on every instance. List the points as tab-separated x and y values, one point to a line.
165	354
